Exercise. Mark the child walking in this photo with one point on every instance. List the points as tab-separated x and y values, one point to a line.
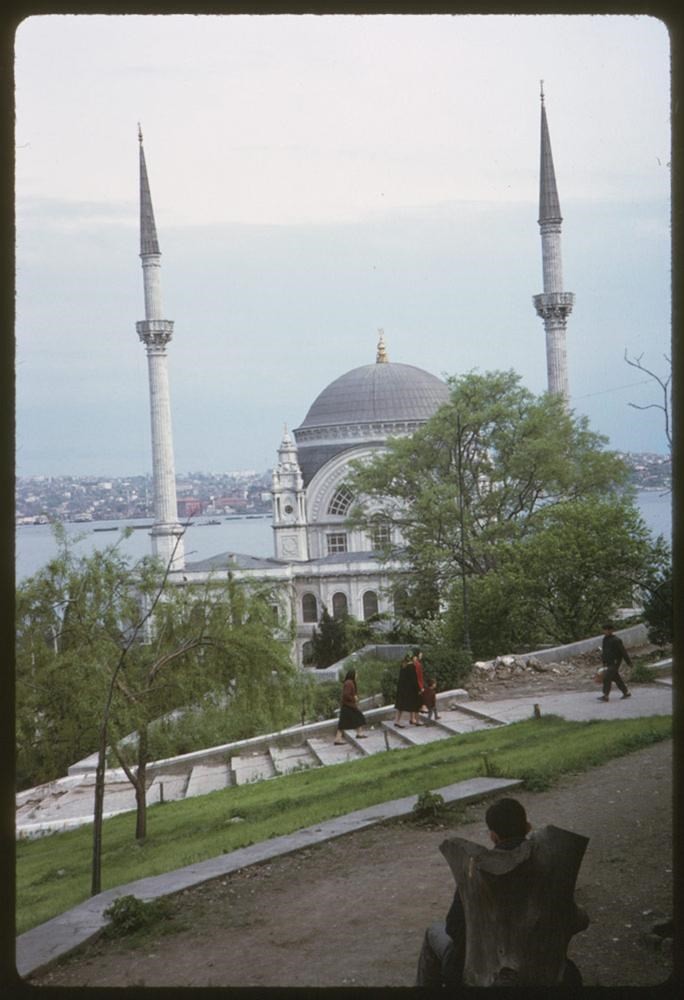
430	699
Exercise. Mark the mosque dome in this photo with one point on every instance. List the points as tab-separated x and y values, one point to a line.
379	392
367	405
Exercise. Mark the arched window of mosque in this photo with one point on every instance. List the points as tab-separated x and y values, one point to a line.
341	502
370	604
309	608
380	534
339	605
401	601
307	652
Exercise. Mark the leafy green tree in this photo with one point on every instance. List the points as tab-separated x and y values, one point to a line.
488	462
659	609
212	640
105	647
497	498
329	642
585	559
60	677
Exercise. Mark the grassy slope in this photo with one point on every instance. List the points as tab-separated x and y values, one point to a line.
53	873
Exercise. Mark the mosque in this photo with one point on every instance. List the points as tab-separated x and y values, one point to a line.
318	561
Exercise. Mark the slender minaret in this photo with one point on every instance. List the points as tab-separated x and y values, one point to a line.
289	504
553	305
155	333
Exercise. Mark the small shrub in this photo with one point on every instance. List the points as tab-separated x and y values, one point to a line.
450	667
659	611
128	914
491	770
641	674
388	683
537	781
429	806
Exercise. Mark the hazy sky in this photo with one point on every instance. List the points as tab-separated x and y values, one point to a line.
316	178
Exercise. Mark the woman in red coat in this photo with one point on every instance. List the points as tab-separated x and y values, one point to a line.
410	686
350	715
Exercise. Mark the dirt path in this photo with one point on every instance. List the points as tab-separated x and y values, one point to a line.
352	912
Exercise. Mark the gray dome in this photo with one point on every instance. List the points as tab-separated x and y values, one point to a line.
385	392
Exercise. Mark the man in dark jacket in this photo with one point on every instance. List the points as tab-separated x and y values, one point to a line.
613	652
442	956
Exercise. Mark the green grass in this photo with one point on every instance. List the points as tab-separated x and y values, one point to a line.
53	873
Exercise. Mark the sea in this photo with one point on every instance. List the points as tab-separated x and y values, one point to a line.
35	543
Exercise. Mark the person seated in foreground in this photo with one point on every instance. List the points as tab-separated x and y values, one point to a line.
442	957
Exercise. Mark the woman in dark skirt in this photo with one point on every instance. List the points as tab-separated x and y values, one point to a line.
351	717
408	692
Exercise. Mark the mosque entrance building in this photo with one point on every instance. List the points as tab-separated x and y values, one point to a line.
319	562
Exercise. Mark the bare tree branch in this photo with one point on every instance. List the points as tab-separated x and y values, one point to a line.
664	384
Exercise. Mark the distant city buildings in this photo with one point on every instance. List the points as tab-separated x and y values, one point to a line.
76	498
41	499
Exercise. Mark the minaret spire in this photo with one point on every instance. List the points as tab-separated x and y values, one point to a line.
553	305
156	333
148	229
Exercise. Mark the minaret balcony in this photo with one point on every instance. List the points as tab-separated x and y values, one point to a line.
554	305
155	332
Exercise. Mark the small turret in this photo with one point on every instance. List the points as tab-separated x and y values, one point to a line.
289	504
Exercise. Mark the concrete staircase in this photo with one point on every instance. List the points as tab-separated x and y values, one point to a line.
67	802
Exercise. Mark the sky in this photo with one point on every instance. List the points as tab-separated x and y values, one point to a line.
315	179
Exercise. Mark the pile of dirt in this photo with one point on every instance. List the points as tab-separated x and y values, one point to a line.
521	676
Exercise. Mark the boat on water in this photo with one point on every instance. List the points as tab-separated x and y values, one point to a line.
203	524
108	528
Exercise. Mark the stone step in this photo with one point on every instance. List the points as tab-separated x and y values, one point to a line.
206	778
416	736
379	739
328	753
288	759
458	721
252	767
167	788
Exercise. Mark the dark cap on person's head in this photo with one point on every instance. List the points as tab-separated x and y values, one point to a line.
608	625
507	818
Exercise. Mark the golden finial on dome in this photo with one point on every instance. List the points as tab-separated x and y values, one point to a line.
381	357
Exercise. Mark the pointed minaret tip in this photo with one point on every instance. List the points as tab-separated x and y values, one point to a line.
549	205
149	243
541	90
381	357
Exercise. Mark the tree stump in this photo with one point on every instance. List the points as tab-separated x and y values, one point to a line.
519	906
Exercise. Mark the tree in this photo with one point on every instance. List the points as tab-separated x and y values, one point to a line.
116	645
659	609
217	639
60	678
663	382
329	641
472	494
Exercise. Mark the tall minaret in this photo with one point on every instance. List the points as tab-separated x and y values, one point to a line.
155	333
553	305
